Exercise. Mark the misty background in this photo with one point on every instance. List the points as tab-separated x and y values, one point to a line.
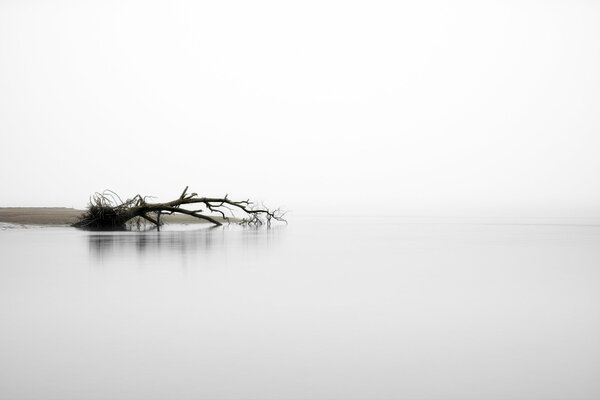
346	107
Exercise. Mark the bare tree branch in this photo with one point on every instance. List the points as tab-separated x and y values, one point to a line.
107	211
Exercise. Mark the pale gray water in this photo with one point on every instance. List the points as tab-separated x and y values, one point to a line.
320	309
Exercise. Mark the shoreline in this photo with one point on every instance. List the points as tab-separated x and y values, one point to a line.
60	216
39	215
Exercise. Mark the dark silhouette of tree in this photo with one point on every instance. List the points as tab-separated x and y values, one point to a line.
107	211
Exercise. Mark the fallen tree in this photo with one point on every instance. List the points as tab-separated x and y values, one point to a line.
107	211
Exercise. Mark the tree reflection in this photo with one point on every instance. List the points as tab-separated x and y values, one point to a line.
200	241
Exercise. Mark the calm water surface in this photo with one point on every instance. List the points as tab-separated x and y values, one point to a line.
320	309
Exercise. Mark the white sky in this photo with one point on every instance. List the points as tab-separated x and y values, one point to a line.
406	107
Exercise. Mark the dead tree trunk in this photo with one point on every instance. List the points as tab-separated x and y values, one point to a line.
107	211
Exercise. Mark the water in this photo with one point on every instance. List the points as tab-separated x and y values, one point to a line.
320	309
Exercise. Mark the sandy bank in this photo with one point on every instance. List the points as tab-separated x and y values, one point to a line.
39	215
65	216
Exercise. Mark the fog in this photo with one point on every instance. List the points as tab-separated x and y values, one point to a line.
346	107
